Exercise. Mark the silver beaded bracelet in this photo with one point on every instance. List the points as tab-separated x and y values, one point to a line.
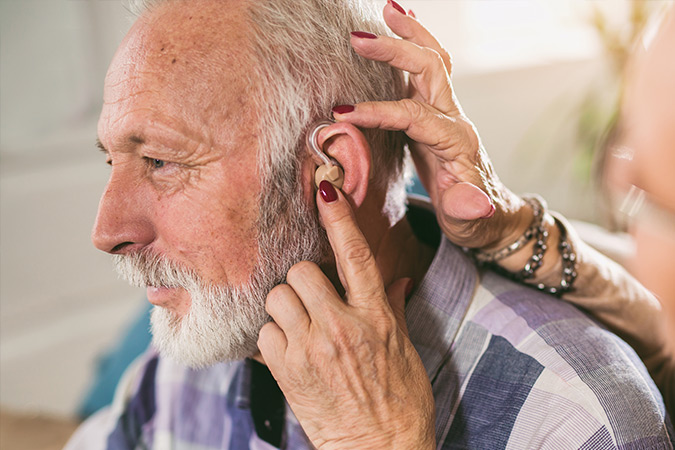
569	264
537	257
538	231
538	206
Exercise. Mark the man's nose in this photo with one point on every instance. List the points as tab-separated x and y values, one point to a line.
123	222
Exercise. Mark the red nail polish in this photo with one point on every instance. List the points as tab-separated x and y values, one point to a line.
412	14
491	213
397	7
343	109
327	191
364	35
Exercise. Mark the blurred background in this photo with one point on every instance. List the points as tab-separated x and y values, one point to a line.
540	80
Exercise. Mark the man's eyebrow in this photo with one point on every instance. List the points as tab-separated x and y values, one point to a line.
132	139
100	146
136	140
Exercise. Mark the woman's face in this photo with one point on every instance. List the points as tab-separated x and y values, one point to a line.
646	160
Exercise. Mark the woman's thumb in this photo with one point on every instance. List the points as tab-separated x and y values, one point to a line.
466	201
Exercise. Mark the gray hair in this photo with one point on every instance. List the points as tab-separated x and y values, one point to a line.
307	66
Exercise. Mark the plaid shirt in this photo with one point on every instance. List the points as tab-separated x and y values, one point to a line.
510	368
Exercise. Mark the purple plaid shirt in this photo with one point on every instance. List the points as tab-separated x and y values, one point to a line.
509	366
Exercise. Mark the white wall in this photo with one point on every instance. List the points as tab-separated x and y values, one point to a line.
60	301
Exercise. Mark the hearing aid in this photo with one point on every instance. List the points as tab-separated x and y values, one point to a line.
330	170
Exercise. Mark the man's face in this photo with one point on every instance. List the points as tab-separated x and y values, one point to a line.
181	206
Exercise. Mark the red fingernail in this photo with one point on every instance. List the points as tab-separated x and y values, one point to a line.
412	14
343	109
397	7
327	191
491	213
364	35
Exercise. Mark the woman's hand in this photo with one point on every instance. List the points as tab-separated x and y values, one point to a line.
346	366
474	208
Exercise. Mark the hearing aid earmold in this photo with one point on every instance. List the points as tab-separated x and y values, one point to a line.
330	170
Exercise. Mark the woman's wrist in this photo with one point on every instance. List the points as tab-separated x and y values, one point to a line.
530	246
515	262
511	221
513	216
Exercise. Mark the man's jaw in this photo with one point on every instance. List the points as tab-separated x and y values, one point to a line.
200	324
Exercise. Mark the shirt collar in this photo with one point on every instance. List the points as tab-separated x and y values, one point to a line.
438	305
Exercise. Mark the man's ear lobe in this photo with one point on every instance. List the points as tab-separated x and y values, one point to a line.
348	146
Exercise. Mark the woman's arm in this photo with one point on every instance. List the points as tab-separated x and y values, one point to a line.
475	210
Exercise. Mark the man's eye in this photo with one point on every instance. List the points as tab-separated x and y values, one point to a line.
157	163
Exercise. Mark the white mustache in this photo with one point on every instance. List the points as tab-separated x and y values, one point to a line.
144	268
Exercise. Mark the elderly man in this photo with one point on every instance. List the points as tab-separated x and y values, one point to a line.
211	204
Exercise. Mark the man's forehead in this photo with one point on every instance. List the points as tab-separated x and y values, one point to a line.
198	31
185	59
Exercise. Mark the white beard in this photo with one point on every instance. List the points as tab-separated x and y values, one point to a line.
223	322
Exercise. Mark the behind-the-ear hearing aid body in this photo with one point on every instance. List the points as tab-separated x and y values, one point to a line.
330	170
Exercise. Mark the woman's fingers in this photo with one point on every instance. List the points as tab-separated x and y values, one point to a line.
405	26
426	67
315	293
272	344
359	272
287	310
422	123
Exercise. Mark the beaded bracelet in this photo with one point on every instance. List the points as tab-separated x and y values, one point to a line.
537	257
536	230
538	206
569	258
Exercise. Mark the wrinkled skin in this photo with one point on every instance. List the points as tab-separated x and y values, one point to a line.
474	209
347	367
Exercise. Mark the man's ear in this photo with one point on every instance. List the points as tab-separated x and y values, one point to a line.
348	146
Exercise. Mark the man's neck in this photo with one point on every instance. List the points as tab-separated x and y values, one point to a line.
398	252
401	254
